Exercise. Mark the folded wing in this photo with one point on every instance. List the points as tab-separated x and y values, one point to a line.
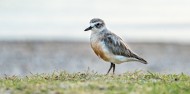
117	46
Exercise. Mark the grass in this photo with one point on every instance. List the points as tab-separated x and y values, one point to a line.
93	83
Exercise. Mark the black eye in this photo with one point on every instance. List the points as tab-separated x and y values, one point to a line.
98	25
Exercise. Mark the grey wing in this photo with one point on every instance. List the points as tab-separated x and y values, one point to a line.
117	46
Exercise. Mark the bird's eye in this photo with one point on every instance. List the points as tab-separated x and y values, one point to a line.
98	25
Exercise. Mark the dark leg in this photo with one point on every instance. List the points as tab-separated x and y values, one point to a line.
110	68
113	68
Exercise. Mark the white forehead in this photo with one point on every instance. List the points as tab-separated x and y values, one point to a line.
92	24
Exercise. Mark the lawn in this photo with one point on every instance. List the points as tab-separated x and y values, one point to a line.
94	83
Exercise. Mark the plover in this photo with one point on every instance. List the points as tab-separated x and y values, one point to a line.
109	46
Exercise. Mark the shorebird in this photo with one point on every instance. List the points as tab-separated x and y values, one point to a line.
109	46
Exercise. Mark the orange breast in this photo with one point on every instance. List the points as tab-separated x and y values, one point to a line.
99	51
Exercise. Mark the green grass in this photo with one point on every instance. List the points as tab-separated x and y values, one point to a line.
93	83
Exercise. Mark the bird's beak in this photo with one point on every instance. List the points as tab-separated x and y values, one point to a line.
89	28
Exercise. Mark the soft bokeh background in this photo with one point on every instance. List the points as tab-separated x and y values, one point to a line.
42	36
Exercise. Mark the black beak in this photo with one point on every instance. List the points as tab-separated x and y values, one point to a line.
89	28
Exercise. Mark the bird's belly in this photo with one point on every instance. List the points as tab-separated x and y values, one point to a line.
101	51
118	59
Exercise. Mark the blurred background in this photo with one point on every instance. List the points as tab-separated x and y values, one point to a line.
43	36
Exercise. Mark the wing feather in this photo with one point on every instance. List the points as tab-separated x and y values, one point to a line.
117	46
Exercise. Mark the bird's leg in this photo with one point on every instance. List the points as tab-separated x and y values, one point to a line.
113	67
110	68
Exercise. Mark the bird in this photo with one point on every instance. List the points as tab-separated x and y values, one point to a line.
108	46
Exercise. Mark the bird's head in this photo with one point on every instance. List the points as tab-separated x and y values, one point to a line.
96	25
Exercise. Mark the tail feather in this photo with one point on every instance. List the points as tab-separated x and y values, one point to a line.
141	59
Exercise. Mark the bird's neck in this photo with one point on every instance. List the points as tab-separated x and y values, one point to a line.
95	35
